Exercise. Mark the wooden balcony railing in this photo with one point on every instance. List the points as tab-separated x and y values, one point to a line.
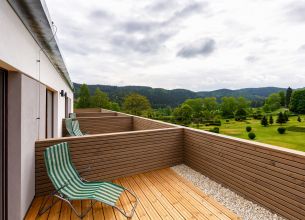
271	176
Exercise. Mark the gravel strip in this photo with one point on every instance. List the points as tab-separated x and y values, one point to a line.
242	207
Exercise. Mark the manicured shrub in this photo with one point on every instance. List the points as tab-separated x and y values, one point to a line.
248	128
251	135
215	130
264	121
227	120
281	130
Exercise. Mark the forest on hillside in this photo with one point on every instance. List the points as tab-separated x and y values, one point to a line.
161	98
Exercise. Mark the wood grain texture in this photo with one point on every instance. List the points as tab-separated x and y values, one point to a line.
96	114
114	155
79	110
101	125
269	176
140	123
162	195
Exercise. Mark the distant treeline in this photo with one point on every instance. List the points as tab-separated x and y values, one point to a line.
161	98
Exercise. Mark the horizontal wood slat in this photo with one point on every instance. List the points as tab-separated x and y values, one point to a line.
95	114
146	124
115	155
270	176
101	125
79	110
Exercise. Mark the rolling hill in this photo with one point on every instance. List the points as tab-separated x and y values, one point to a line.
162	97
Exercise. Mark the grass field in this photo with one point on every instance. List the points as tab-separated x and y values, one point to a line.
291	139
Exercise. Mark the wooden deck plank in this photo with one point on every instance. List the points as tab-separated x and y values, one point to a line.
140	211
202	198
34	209
98	212
190	207
146	203
154	201
162	199
181	209
211	200
78	206
55	211
163	194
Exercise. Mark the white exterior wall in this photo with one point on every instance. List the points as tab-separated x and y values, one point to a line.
20	51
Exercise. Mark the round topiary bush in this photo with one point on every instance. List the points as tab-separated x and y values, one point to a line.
215	130
251	135
248	128
281	130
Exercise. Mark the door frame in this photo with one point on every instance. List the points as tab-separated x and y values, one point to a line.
4	146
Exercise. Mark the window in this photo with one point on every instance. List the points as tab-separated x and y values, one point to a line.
49	114
3	144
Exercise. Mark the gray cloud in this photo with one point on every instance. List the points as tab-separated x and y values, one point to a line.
190	9
203	47
160	6
145	45
99	14
302	48
252	59
296	11
140	26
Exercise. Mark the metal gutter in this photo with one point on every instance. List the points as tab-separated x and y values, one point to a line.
35	17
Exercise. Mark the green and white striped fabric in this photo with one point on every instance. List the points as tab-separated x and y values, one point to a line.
67	181
72	115
76	129
69	127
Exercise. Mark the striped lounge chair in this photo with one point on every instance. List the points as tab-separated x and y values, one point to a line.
69	185
72	127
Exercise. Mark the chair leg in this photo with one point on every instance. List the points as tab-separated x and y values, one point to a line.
42	209
130	214
82	214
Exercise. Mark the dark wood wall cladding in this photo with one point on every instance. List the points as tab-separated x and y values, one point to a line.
101	125
95	114
270	176
140	123
80	110
115	155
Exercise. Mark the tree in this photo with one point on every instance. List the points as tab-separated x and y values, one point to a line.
84	97
280	119
297	101
240	114
288	96
100	99
136	104
183	114
286	116
228	106
282	98
114	106
299	119
271	120
272	103
264	121
210	104
196	105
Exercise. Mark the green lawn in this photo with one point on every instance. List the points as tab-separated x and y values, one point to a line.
269	134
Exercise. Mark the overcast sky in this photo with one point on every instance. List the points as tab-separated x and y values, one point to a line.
197	45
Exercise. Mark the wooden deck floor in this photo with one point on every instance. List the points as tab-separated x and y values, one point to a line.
163	195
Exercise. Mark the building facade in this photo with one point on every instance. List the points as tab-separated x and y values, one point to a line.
36	94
